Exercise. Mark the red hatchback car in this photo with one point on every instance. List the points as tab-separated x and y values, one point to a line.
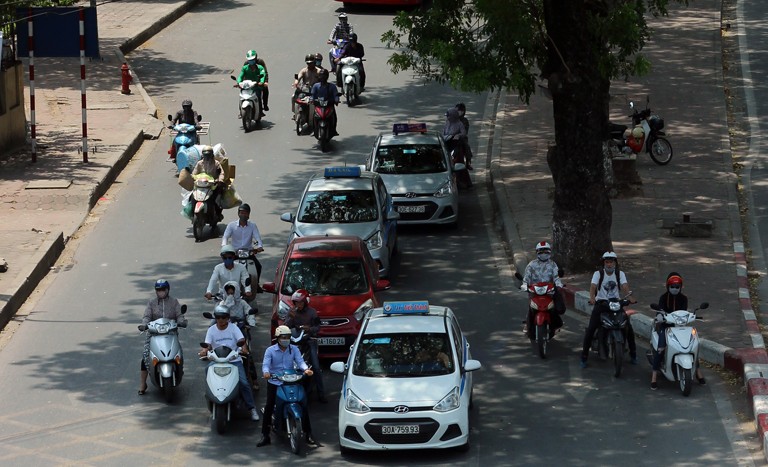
342	280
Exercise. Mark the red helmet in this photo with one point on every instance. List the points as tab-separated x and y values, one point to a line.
674	279
300	295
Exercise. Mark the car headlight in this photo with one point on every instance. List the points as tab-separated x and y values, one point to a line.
222	370
374	242
449	402
445	190
282	310
363	309
354	404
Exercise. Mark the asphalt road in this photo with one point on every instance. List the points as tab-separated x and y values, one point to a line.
74	362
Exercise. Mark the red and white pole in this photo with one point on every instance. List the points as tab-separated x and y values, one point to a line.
31	47
82	84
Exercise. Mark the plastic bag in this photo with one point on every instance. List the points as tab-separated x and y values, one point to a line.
188	210
230	198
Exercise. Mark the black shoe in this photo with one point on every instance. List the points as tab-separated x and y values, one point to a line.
259	289
266	108
264	441
654	386
702	381
310	439
262	114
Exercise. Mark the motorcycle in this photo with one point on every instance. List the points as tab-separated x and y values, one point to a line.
289	408
612	335
337	48
681	356
250	109
244	258
204	210
457	151
165	355
245	326
323	115
350	73
302	110
647	131
183	135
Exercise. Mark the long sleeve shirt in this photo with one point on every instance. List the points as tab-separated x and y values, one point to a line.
211	167
221	275
277	360
306	317
341	31
243	236
254	74
167	307
542	271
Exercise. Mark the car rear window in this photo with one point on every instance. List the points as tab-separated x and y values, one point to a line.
409	159
403	355
343	206
325	276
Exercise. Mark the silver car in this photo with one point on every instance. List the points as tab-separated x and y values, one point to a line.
418	173
349	201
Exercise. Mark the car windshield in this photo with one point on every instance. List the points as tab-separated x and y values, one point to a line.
325	276
323	207
410	159
403	355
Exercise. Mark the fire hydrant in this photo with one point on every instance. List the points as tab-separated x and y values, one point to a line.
127	78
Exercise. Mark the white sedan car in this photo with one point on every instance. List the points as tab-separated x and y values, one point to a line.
408	381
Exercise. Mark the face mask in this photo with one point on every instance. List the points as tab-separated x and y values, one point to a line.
461	113
229	262
283	342
674	291
161	294
251	62
610	270
230	300
543	256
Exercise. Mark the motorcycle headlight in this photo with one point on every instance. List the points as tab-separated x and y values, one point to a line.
222	370
614	306
354	404
162	328
449	402
363	309
540	289
374	242
445	190
282	310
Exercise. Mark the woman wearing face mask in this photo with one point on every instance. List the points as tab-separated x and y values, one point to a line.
544	269
160	306
673	299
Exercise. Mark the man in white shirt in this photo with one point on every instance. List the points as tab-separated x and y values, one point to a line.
227	271
245	235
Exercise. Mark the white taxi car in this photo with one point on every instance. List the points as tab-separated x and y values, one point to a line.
418	171
407	382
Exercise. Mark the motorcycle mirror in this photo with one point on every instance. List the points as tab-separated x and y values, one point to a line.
631	105
560	272
704	306
205	345
170	118
208	315
295	76
241	342
253	311
231	76
518	276
655	306
199	118
183	309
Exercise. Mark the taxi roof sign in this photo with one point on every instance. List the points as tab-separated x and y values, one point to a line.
340	172
405	308
398	128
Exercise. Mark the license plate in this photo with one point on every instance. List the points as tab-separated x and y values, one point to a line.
330	341
400	429
411	208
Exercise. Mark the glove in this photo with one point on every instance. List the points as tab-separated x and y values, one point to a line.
182	325
524	287
142	327
659	318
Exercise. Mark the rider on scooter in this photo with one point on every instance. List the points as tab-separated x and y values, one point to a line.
160	306
253	71
671	300
226	271
341	30
210	166
328	91
544	269
226	333
304	318
188	116
245	236
306	78
279	358
352	49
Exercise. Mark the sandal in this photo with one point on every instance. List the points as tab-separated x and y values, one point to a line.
143	391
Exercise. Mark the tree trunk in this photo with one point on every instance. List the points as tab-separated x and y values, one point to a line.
581	218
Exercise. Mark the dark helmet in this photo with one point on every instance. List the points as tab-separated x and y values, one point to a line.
161	284
244	207
186	103
207	152
460	106
309	59
353	37
342	17
323	75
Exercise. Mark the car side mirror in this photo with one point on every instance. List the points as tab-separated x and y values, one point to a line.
286	217
208	315
269	287
183	309
338	367
472	365
458	167
383	284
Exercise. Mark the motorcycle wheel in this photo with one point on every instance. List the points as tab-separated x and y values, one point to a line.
299	124
247	120
618	358
686	380
350	96
661	151
168	390
296	436
542	333
219	419
325	139
197	227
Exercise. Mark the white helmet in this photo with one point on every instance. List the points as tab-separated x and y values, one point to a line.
543	246
610	255
282	331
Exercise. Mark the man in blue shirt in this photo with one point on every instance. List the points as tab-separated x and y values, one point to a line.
329	92
277	359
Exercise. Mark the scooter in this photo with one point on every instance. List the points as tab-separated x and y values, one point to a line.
250	109
323	115
289	409
244	258
646	132
337	48
204	210
165	355
183	135
350	74
612	335
681	355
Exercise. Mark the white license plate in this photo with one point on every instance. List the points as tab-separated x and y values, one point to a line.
400	429
411	208
330	341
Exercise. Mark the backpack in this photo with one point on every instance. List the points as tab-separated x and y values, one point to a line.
616	272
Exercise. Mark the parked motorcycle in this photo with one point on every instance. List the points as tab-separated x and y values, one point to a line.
183	135
165	355
289	408
612	335
204	210
250	109
323	116
647	132
222	390
350	75
681	355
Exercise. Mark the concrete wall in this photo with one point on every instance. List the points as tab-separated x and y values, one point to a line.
13	120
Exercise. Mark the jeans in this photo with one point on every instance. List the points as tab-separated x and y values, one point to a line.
245	388
662	332
317	376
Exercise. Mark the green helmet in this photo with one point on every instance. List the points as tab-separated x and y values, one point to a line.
251	55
